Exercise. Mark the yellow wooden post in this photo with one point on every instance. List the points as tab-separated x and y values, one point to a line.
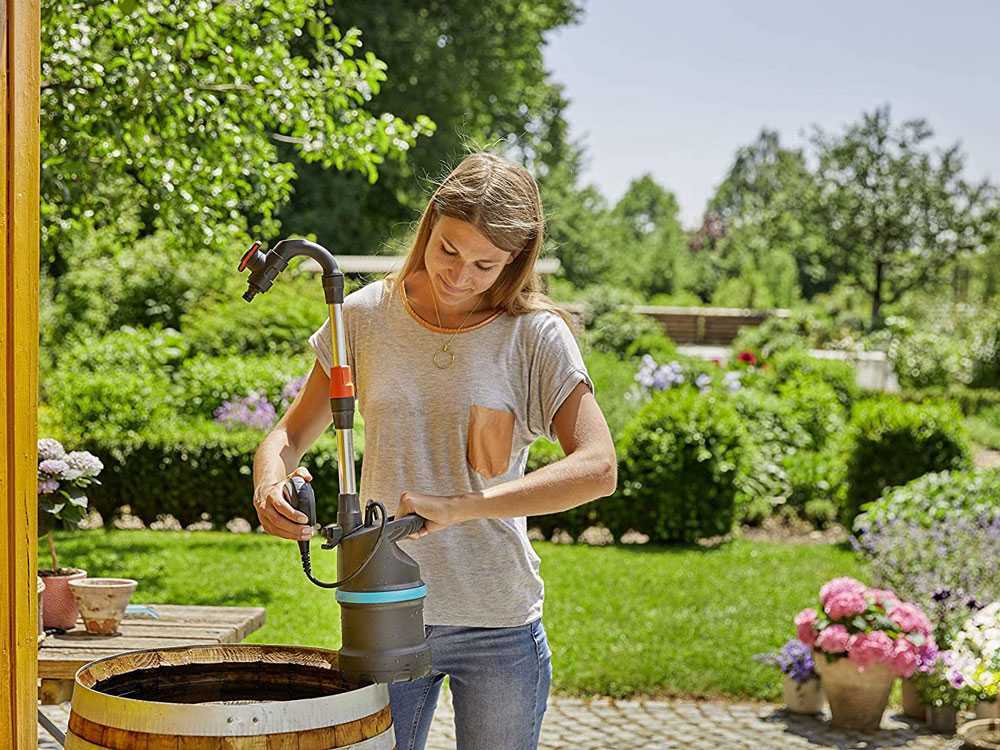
19	92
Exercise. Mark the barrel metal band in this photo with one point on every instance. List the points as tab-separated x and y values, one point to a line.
381	597
229	720
384	741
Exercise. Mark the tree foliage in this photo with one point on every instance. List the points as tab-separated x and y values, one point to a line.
178	107
897	211
477	71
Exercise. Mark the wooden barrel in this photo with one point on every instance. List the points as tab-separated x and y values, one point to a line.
228	696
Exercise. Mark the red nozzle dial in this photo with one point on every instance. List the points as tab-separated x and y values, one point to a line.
248	255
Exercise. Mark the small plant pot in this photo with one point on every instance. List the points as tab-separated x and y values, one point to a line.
988	709
58	604
41	623
857	698
942	719
912	705
102	602
981	734
803	697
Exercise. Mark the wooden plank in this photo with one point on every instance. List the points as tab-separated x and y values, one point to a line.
19	217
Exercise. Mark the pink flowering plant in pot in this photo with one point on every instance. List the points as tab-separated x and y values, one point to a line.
863	638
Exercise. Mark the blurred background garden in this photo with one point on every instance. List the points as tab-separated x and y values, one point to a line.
175	133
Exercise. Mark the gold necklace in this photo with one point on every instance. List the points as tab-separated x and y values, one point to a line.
444	358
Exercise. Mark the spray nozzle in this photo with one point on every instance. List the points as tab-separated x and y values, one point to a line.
265	267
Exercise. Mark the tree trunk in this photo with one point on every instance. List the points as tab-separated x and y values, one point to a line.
876	321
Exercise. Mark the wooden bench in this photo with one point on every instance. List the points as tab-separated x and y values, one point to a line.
60	656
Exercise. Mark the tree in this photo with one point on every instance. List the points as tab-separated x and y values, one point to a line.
897	211
652	239
762	216
477	71
178	107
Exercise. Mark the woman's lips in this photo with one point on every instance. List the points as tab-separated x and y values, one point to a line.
450	289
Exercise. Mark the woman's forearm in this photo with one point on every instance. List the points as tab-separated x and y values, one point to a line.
276	456
576	479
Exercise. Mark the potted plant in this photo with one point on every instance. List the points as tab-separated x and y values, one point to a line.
975	659
803	694
62	479
944	692
863	639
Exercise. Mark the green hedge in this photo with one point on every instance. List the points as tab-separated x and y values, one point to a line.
839	375
682	458
189	467
889	443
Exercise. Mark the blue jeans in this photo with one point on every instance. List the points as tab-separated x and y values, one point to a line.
499	681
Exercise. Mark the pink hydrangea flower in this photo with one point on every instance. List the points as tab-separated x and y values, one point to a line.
905	657
910	619
887	599
866	649
805	626
840	585
833	639
845	603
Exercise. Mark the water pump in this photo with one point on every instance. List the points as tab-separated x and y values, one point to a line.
378	585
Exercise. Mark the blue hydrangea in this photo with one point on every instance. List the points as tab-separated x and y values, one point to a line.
53	467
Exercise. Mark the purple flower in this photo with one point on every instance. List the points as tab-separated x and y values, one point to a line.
703	381
50	448
731	380
253	411
53	467
87	464
47	486
292	388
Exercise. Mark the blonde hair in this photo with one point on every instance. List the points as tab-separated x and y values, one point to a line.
501	200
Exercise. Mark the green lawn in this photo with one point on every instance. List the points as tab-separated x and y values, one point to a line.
621	620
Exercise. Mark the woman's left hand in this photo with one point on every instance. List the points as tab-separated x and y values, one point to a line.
438	511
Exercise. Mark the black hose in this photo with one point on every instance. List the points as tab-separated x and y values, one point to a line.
307	564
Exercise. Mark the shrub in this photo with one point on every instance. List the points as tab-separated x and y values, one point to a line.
813	476
773	336
889	443
773	432
934	540
619	330
929	358
118	383
794	365
203	382
189	467
682	456
816	406
970	400
280	321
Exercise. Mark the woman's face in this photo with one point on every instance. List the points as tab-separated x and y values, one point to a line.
461	263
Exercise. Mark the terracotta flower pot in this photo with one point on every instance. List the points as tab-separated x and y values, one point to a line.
41	607
942	719
803	697
857	698
912	705
988	709
102	602
60	610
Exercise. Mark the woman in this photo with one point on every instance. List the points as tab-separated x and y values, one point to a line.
460	363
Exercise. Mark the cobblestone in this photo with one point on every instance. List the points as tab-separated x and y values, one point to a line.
604	724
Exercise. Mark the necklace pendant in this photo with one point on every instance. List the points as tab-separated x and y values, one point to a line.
443	359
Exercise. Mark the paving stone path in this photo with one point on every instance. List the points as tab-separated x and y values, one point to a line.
603	724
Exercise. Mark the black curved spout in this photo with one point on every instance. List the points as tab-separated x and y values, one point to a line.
264	268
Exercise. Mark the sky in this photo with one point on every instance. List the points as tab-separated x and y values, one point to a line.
674	88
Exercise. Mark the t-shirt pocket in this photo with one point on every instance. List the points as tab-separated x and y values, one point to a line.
490	440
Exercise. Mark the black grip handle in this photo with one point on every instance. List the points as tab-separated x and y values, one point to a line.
411	523
299	494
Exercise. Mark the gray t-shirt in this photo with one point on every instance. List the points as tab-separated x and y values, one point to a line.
456	430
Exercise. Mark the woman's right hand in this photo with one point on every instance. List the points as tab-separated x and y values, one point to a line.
276	515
